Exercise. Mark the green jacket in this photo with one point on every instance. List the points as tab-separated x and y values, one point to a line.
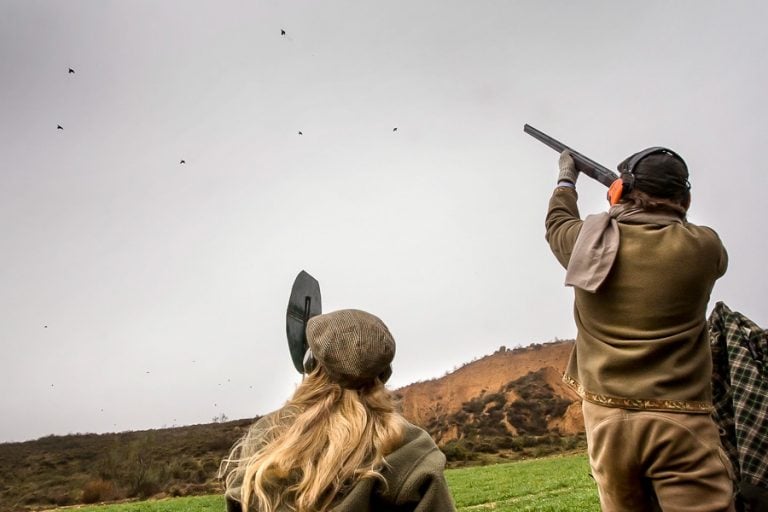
642	341
414	482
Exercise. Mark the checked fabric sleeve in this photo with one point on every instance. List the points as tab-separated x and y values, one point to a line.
740	396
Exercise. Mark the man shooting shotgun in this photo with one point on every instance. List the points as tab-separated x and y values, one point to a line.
642	276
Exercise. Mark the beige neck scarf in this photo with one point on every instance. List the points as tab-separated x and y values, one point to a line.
598	243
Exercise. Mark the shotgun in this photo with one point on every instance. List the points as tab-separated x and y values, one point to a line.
583	164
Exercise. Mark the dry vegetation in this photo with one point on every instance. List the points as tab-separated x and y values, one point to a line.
90	468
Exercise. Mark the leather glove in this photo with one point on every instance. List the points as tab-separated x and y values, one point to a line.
568	170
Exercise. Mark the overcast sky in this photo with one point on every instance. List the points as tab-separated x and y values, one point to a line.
137	292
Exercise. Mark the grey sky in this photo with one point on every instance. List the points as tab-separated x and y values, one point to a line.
163	286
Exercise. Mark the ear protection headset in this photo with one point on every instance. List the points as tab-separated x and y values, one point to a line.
626	182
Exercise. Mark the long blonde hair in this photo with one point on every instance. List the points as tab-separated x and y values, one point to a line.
319	445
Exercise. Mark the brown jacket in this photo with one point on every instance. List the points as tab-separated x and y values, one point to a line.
642	339
414	481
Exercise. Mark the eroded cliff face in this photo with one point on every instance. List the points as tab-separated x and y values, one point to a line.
510	392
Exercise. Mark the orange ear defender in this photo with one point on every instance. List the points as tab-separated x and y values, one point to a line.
620	187
615	191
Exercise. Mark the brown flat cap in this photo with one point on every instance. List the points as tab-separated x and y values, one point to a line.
353	346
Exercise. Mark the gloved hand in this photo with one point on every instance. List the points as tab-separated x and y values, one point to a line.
568	170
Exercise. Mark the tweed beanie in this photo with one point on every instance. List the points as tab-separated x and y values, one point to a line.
353	346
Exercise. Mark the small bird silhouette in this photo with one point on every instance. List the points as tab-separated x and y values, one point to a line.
282	32
300	133
59	127
45	327
182	162
394	129
71	71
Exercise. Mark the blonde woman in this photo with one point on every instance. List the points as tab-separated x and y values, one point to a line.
338	444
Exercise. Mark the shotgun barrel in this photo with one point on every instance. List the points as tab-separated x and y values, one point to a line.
584	164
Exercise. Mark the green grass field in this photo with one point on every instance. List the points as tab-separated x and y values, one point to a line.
555	484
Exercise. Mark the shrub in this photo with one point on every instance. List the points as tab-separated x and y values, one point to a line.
506	442
98	490
515	444
499	398
200	475
487	446
147	488
61	497
473	406
179	471
458	451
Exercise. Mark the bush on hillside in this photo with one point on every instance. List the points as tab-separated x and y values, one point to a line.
457	450
98	490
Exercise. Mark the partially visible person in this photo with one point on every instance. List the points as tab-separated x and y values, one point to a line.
339	443
642	277
740	396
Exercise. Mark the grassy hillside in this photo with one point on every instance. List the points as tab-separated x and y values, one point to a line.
555	484
510	405
89	468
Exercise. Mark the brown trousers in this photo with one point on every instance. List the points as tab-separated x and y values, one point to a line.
647	459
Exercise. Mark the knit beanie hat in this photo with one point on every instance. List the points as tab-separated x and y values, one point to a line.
353	346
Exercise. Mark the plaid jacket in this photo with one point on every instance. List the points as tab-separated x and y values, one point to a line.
740	395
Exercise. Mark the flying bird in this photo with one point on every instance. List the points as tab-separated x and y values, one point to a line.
59	127
182	162
282	32
300	133
71	71
394	129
